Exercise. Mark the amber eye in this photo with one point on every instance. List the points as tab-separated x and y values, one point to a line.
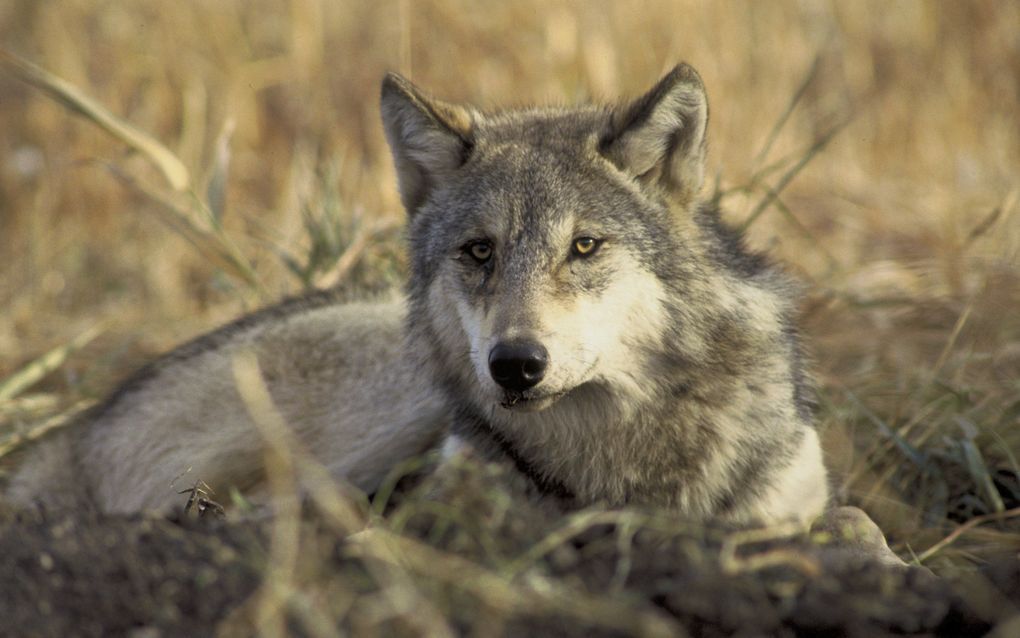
585	246
481	251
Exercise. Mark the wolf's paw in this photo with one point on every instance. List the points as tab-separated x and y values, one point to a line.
848	534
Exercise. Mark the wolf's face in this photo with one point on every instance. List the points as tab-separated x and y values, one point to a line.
540	239
538	272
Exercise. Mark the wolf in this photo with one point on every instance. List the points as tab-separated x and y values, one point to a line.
575	309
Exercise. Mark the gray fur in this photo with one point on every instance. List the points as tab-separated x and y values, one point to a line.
674	376
337	372
710	415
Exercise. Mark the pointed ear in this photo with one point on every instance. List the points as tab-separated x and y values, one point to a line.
660	137
429	139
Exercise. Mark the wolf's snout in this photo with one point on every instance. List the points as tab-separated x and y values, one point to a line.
518	365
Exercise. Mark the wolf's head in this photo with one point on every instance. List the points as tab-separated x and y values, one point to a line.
541	239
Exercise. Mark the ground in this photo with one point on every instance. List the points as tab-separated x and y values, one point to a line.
472	558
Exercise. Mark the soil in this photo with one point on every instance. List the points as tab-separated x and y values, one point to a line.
182	576
115	576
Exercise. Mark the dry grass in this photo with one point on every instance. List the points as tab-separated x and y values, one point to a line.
905	226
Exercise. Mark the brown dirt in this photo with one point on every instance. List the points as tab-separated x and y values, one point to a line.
184	576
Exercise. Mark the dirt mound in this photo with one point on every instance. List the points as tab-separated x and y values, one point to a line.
112	576
472	556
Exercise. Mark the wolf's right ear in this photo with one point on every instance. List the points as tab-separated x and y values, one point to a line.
429	139
660	137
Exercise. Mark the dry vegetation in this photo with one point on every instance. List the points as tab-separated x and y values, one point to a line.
872	146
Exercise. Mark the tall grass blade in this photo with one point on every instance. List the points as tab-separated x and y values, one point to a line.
15	441
26	377
788	176
72	98
215	245
784	118
912	453
976	466
216	191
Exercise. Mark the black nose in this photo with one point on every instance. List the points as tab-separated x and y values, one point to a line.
518	365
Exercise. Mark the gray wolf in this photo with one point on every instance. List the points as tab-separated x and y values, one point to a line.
574	308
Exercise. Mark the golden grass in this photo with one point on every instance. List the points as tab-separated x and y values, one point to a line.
905	226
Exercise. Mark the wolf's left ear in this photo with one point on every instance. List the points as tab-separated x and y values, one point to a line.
660	137
429	139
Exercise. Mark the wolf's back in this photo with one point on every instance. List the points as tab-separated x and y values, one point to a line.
46	477
339	375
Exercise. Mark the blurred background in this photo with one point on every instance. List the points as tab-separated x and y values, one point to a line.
873	146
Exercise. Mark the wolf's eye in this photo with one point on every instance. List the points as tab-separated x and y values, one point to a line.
584	246
480	251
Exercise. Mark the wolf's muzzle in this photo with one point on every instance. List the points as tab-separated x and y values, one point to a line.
518	365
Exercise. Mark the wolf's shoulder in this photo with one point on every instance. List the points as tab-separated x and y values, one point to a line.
266	318
727	246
